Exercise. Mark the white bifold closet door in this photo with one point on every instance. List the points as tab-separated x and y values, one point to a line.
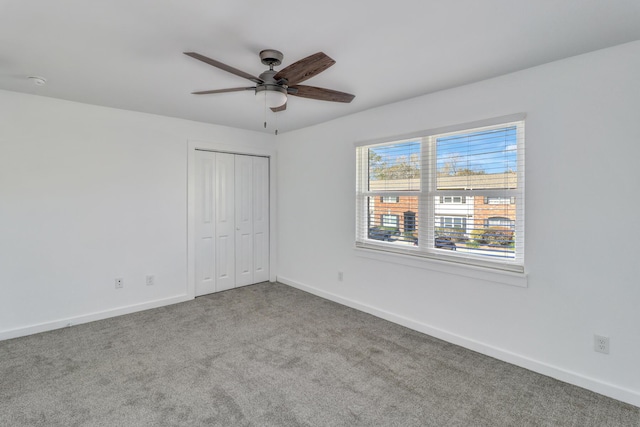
232	221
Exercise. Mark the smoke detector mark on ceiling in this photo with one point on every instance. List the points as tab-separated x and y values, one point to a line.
37	80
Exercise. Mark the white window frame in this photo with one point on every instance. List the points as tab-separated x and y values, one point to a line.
427	194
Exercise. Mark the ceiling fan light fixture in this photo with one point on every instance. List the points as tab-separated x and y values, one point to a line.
272	87
272	95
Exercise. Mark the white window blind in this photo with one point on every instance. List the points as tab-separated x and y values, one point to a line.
460	195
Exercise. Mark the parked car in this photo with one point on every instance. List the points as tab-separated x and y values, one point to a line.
387	234
444	242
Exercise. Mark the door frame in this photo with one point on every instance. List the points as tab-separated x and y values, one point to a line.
192	147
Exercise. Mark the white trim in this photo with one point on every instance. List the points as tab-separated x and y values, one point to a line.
607	389
192	146
488	274
91	317
494	121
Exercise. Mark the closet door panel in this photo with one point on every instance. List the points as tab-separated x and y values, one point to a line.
204	224
260	219
244	220
224	220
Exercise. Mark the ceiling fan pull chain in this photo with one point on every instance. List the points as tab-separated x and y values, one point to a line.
265	112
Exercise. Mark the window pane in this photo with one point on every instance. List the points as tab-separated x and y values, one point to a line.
499	200
452	199
492	231
390	220
475	227
395	223
499	221
477	160
394	167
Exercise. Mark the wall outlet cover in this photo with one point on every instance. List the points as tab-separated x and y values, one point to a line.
601	344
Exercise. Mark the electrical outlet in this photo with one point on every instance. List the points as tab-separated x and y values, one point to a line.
601	344
150	280
119	282
340	276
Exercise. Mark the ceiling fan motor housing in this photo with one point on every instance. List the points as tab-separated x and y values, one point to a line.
268	77
274	92
271	57
269	87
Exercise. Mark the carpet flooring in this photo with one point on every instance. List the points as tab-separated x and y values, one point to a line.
271	355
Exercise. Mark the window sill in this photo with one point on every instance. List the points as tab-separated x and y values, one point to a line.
458	269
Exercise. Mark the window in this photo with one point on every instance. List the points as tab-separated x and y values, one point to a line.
387	199
451	222
498	221
390	221
463	185
453	199
499	200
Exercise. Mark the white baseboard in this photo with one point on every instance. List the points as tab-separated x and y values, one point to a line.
90	317
611	390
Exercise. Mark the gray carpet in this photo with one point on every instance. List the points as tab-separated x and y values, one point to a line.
271	355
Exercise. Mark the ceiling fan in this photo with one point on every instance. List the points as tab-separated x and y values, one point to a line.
274	86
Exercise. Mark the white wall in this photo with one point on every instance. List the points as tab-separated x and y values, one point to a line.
88	194
582	147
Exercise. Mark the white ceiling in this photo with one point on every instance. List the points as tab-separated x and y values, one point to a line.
128	53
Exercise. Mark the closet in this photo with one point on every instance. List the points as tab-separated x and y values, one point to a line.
231	221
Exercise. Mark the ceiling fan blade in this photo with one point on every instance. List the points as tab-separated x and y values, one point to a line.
224	67
233	89
280	108
305	68
321	94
